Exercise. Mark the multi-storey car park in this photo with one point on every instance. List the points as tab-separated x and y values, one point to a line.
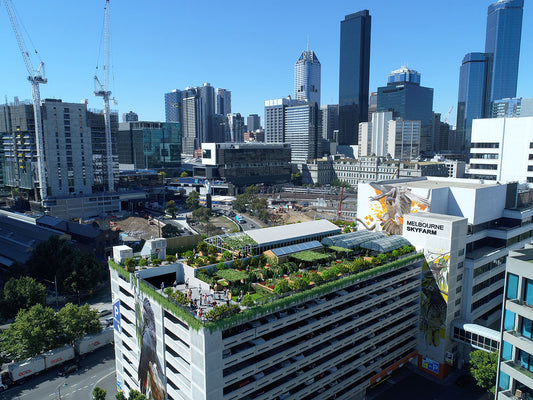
328	340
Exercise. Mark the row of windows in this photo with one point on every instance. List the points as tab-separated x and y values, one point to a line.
484	166
475	339
486	299
489	282
489	266
485	156
485	145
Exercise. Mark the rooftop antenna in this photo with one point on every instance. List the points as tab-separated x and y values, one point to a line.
307	42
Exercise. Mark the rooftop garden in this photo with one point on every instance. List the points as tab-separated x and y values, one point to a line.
264	286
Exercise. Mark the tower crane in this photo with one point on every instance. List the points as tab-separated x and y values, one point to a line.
36	78
448	115
102	90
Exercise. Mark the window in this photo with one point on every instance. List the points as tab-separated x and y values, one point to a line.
528	293
526	328
508	322
512	286
459	277
507	351
458	290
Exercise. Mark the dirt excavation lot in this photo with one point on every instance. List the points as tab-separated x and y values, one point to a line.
138	228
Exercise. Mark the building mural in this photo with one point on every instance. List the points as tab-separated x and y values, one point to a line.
149	371
386	206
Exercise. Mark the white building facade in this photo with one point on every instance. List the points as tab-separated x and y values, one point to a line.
307	77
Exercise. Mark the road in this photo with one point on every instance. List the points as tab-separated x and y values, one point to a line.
97	369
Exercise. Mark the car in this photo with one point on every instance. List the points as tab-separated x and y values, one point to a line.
104	312
226	353
108	321
68	369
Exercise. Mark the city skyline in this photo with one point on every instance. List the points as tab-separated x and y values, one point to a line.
145	66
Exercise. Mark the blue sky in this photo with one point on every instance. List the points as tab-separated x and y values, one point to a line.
248	47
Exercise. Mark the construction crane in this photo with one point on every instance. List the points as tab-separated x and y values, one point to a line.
36	78
339	211
102	90
448	115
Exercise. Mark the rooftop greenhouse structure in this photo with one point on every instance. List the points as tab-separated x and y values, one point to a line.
254	242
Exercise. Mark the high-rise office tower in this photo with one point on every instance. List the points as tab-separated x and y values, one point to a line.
372	105
275	118
130	117
254	122
354	72
329	121
301	131
472	102
234	128
172	106
307	77
404	96
492	75
223	102
502	41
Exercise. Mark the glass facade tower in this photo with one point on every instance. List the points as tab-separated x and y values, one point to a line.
354	72
472	102
307	77
504	31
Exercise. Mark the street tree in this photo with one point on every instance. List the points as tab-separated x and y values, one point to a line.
184	174
99	393
171	208
20	293
32	332
77	321
483	368
202	214
192	201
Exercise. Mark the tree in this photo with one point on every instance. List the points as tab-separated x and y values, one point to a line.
56	258
32	332
136	395
120	396
184	174
20	293
171	208
192	200
296	178
77	321
202	214
170	230
483	368
99	393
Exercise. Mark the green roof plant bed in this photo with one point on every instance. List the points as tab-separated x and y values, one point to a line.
232	275
273	303
310	256
238	241
339	249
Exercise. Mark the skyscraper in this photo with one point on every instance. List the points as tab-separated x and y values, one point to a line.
301	131
492	75
330	121
354	71
472	102
307	77
404	96
172	106
275	118
254	122
502	41
223	102
234	128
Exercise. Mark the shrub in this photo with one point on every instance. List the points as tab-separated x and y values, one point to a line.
395	253
226	255
334	271
247	300
170	258
156	261
326	274
129	263
238	264
221	266
282	287
143	262
382	257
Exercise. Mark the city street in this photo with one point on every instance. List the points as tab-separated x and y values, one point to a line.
97	369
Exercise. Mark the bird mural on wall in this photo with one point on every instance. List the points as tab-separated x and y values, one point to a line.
149	369
395	201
